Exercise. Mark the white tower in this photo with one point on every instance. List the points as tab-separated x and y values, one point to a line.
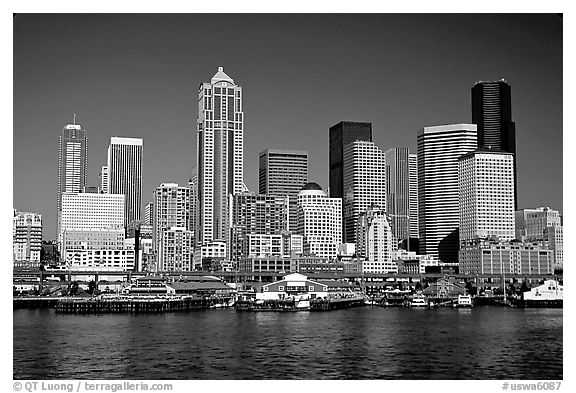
220	146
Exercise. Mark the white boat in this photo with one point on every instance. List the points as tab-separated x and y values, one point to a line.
418	301
303	302
463	301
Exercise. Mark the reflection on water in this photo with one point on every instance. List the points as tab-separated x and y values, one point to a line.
361	343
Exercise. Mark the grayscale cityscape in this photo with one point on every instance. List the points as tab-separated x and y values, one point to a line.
288	196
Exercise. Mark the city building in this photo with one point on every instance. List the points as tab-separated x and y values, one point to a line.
193	186
402	193
175	250
319	221
490	257
492	113
283	173
171	209
72	162
101	259
220	144
375	242
149	214
92	239
412	263
125	174
486	195
256	215
213	251
27	238
438	210
364	183
413	194
341	135
104	179
264	245
90	211
531	224
294	284
554	237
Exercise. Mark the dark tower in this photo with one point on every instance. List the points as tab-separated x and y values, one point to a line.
341	135
492	113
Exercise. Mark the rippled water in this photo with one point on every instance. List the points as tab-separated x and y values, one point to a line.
361	343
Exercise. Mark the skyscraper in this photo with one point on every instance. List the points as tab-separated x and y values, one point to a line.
341	135
375	242
255	214
72	162
402	192
283	173
220	149
319	221
193	186
486	195
364	183
125	174
413	180
438	210
492	113
171	210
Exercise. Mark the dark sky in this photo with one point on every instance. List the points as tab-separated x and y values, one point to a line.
138	75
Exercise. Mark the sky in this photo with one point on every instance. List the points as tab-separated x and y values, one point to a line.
138	76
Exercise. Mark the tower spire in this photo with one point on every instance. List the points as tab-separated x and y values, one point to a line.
74	118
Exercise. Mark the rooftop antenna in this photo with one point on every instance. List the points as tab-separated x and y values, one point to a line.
74	118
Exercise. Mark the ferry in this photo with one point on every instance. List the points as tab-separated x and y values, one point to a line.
463	301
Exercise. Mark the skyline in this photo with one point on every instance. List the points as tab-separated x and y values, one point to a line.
302	77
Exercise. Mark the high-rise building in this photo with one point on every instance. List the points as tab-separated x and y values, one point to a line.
319	221
555	239
492	113
486	195
255	214
364	183
283	173
72	162
193	186
175	250
171	210
149	214
375	242
91	221
413	181
220	149
27	237
438	210
341	135
402	193
104	179
125	174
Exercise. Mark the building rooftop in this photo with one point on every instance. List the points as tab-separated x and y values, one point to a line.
311	187
221	76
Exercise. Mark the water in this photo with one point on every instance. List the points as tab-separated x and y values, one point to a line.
360	343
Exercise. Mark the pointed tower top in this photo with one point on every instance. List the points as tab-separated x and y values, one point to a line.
221	76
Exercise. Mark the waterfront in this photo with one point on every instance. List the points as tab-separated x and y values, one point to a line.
360	343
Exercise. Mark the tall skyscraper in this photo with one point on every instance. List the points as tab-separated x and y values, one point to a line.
319	221
104	179
343	134
283	173
413	181
492	113
438	210
193	186
125	174
364	183
72	162
486	195
402	193
220	149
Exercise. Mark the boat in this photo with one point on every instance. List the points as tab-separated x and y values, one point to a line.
463	301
